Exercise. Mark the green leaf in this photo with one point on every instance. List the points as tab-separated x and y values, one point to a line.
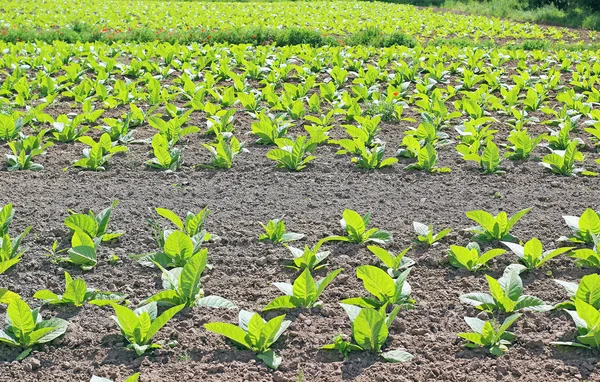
21	318
214	302
353	222
126	319
179	246
161	320
376	281
234	333
83	223
369	329
283	302
171	216
189	280
304	288
270	359
396	356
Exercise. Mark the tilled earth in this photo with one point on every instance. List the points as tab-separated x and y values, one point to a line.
312	202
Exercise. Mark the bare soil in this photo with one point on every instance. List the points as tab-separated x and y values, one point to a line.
312	202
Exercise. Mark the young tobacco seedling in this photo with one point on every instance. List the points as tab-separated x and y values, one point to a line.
132	378
268	129
586	318
385	289
425	234
66	130
563	162
77	293
224	151
118	130
522	144
470	257
583	228
6	216
165	157
26	328
308	258
489	334
356	229
24	150
255	334
9	249
275	232
193	225
95	226
140	325
97	155
395	263
10	127
293	155
494	227
304	293
83	250
489	161
506	294
532	254
588	290
370	331
588	257
182	286
426	160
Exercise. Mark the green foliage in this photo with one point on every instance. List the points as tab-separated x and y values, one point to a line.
303	293
98	153
308	258
77	293
24	150
94	225
26	328
532	254
588	290
269	129
293	155
506	294
522	144
489	334
10	251
182	286
275	232
255	334
10	127
583	228
426	158
426	236
395	263
470	257
140	325
165	157
562	162
489	161
370	331
356	230
224	151
385	289
494	227
68	130
586	318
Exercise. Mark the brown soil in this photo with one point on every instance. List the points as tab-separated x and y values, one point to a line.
312	202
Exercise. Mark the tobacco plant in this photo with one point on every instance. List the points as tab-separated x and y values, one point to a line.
67	130
370	331
304	293
83	250
25	327
224	150
532	253
505	294
98	153
10	252
308	258
78	293
268	129
165	157
10	127
426	160
94	225
586	318
562	162
588	290
255	334
583	228
494	227
140	325
293	155
426	236
24	150
356	230
182	286
275	232
489	160
522	144
489	334
395	263
385	289
588	257
470	257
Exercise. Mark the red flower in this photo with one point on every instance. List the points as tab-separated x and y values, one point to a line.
395	94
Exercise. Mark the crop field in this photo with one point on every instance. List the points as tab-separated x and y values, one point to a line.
295	191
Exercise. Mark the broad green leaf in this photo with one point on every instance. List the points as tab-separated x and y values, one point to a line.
189	280
171	216
161	320
234	333
376	281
